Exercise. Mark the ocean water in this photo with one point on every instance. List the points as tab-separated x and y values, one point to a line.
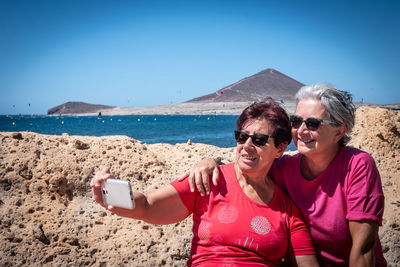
214	130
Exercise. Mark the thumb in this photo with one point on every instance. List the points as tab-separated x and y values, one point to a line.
104	169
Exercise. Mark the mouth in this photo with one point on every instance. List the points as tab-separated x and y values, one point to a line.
249	158
306	141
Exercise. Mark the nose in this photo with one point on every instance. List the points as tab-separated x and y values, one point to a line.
303	127
248	142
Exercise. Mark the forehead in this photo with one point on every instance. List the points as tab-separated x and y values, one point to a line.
309	107
259	125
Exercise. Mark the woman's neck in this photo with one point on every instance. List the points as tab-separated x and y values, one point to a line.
259	188
312	166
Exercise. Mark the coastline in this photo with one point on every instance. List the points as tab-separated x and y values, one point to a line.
192	108
210	108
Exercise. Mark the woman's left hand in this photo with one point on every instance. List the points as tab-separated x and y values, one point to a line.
95	184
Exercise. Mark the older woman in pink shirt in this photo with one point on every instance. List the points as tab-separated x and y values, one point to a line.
337	187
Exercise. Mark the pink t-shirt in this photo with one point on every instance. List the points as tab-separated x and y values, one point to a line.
230	228
349	189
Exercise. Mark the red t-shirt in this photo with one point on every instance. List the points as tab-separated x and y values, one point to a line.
230	228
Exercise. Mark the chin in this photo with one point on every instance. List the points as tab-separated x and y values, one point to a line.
303	149
245	167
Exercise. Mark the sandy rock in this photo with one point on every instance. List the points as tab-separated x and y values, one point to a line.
48	216
377	131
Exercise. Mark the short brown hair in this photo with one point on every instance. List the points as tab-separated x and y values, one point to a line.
274	114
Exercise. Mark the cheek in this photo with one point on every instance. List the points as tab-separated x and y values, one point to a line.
238	149
294	135
326	139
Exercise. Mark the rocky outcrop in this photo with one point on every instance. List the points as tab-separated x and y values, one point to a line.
48	216
377	131
77	108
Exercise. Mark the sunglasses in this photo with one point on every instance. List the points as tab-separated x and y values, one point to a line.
312	124
257	139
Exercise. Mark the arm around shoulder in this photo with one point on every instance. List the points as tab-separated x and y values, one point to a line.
199	176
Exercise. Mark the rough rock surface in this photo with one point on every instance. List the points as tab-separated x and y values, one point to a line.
48	217
377	131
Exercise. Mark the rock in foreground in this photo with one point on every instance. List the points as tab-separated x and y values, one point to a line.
47	215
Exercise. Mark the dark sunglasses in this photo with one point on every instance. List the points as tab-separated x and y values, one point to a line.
312	124
257	139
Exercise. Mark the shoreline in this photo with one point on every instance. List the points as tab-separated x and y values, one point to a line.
206	108
191	108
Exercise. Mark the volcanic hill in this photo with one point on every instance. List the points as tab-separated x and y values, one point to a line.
77	107
267	83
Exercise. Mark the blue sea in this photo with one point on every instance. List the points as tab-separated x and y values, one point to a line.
214	130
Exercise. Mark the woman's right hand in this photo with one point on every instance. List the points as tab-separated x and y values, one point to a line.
95	183
199	176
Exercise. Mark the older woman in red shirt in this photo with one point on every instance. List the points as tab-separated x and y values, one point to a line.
246	220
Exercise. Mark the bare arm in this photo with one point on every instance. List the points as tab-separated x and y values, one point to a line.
162	206
363	234
306	261
199	176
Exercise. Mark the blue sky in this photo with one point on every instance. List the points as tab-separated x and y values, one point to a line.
142	53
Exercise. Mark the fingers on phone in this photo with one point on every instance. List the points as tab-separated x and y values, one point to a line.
100	176
95	182
98	197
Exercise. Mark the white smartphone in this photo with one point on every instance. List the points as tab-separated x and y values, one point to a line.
118	193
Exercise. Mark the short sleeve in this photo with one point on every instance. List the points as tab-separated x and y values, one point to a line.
188	198
365	199
300	238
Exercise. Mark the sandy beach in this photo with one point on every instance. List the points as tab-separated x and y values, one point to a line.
48	216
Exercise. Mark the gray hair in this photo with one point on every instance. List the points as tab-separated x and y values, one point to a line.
338	105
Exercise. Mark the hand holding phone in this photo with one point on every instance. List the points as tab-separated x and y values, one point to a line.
117	193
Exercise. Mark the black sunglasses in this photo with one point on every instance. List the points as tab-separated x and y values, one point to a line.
312	124
257	139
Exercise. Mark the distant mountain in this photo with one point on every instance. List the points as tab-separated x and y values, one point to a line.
77	107
267	83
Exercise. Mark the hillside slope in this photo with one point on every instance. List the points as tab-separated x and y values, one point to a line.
267	83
